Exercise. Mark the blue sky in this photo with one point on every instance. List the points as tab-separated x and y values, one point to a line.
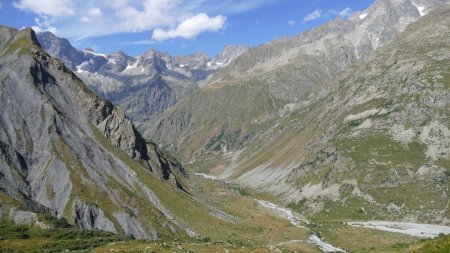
179	27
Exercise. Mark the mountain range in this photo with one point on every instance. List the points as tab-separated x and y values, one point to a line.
347	121
142	86
270	120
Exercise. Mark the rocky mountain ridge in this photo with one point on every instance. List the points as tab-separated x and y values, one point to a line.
67	152
278	77
341	40
142	86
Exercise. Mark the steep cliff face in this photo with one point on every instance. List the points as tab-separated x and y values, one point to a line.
66	151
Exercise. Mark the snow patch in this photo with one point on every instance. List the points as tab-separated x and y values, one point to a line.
420	9
413	229
80	68
363	16
132	66
80	71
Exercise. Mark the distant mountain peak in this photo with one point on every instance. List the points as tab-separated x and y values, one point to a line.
229	53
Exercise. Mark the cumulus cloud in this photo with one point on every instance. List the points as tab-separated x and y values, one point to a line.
166	18
316	14
150	14
291	22
55	8
191	27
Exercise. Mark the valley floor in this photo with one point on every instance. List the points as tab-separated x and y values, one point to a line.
246	224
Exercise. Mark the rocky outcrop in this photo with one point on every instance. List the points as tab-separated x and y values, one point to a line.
91	217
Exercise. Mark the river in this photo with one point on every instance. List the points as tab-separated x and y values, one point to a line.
288	215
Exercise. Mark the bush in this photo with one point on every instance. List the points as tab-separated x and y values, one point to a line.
206	239
53	221
400	245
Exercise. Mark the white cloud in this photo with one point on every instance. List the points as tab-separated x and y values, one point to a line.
39	29
92	14
55	8
95	12
344	13
148	15
43	25
117	3
243	6
69	17
191	27
35	28
139	42
225	7
291	22
316	14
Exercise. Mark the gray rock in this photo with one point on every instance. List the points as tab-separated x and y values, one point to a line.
67	152
290	72
91	217
143	86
